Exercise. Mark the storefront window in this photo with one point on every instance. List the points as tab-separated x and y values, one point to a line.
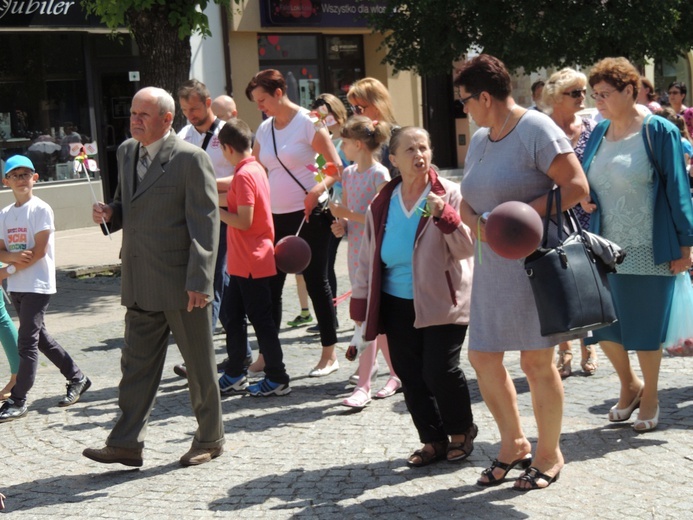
313	64
43	100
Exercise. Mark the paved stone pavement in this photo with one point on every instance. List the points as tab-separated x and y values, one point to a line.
303	455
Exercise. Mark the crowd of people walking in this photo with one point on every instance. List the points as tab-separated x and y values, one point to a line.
201	210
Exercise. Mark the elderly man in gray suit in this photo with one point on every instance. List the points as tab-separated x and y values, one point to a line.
166	205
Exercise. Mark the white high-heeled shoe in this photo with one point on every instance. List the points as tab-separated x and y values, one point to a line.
647	425
623	414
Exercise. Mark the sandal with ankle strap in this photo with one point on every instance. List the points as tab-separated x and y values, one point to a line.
524	463
589	365
425	457
565	357
466	447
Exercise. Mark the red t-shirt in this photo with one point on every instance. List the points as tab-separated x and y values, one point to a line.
251	252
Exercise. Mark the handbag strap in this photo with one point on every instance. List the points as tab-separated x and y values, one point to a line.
274	142
554	193
571	223
654	160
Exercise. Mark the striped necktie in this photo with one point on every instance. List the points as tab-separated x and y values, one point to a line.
142	164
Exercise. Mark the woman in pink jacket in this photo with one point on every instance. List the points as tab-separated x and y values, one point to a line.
413	283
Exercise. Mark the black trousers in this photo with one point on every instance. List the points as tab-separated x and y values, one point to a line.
317	233
427	360
251	297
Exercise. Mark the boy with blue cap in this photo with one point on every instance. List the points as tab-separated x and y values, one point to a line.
27	247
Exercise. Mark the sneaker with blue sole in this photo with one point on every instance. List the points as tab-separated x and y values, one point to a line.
266	388
232	385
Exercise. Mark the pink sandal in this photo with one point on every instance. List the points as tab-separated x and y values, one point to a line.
392	386
359	399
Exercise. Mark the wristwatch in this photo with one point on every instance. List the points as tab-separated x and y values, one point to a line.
11	269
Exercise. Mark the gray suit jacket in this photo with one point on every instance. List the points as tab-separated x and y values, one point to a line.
170	225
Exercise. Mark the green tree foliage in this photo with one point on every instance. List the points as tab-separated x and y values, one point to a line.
427	35
162	30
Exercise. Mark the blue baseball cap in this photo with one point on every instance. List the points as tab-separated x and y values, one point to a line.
18	161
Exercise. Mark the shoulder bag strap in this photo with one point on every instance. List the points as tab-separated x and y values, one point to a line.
274	142
654	160
209	134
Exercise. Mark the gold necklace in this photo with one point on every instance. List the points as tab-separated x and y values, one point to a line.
500	132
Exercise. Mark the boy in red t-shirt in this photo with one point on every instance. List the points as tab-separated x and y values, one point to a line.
250	264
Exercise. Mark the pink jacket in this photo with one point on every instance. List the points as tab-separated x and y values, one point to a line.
442	263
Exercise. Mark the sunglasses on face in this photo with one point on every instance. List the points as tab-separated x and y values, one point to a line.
358	109
576	93
674	93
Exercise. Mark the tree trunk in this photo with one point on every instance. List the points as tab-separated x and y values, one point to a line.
165	58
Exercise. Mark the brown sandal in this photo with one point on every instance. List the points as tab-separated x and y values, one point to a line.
466	447
423	457
565	357
589	365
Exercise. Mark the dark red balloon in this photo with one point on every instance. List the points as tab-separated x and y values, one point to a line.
292	254
514	230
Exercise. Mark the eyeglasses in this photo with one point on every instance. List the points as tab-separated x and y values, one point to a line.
20	176
577	93
674	92
599	96
358	109
464	101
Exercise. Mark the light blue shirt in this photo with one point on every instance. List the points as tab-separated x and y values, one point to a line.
397	250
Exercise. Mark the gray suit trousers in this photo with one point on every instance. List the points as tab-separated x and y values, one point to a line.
142	363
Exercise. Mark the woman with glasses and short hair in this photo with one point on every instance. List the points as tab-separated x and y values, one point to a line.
677	95
517	154
564	96
640	200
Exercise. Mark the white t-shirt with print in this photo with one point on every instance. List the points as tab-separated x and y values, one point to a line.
294	146
222	167
18	227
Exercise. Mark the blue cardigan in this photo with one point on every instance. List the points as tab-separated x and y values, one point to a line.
673	210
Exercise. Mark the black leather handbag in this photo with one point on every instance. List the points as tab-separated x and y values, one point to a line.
568	280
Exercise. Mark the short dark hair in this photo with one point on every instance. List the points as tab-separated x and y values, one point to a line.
236	134
485	73
679	85
537	84
268	80
193	86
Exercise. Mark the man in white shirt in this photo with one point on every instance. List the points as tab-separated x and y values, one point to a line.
203	131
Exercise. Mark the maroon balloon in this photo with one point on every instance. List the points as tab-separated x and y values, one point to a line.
514	230
292	254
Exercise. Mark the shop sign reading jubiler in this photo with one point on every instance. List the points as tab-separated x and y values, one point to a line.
44	13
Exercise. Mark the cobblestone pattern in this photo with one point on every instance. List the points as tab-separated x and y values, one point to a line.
305	456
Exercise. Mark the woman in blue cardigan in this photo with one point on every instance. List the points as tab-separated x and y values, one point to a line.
640	199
